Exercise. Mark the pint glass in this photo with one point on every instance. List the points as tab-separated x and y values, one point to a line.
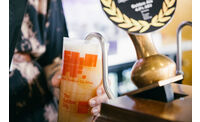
81	75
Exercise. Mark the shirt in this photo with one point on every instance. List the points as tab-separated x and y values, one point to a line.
37	57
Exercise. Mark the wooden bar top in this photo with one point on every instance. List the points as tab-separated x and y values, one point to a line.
128	108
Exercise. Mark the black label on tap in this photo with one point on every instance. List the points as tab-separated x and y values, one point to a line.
139	16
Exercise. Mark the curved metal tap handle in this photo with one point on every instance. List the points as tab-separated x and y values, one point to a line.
104	62
179	51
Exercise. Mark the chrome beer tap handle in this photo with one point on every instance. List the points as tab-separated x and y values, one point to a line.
104	62
179	51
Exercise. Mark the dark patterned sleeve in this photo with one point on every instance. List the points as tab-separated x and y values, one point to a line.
56	30
27	90
30	82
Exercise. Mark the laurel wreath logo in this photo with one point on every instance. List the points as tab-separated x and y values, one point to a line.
133	25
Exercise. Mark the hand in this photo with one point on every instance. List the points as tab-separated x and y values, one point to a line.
94	102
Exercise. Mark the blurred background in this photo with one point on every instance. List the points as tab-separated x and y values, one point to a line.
85	16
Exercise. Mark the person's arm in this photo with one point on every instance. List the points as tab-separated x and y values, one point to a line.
28	89
51	60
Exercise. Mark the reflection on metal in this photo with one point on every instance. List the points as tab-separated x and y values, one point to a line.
150	67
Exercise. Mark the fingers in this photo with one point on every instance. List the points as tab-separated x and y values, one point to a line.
96	110
97	100
56	79
95	103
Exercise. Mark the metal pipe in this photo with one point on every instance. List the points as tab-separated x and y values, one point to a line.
179	51
104	62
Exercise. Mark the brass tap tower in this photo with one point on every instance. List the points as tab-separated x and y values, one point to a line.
150	66
139	18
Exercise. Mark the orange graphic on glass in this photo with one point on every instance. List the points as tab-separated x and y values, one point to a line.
81	75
